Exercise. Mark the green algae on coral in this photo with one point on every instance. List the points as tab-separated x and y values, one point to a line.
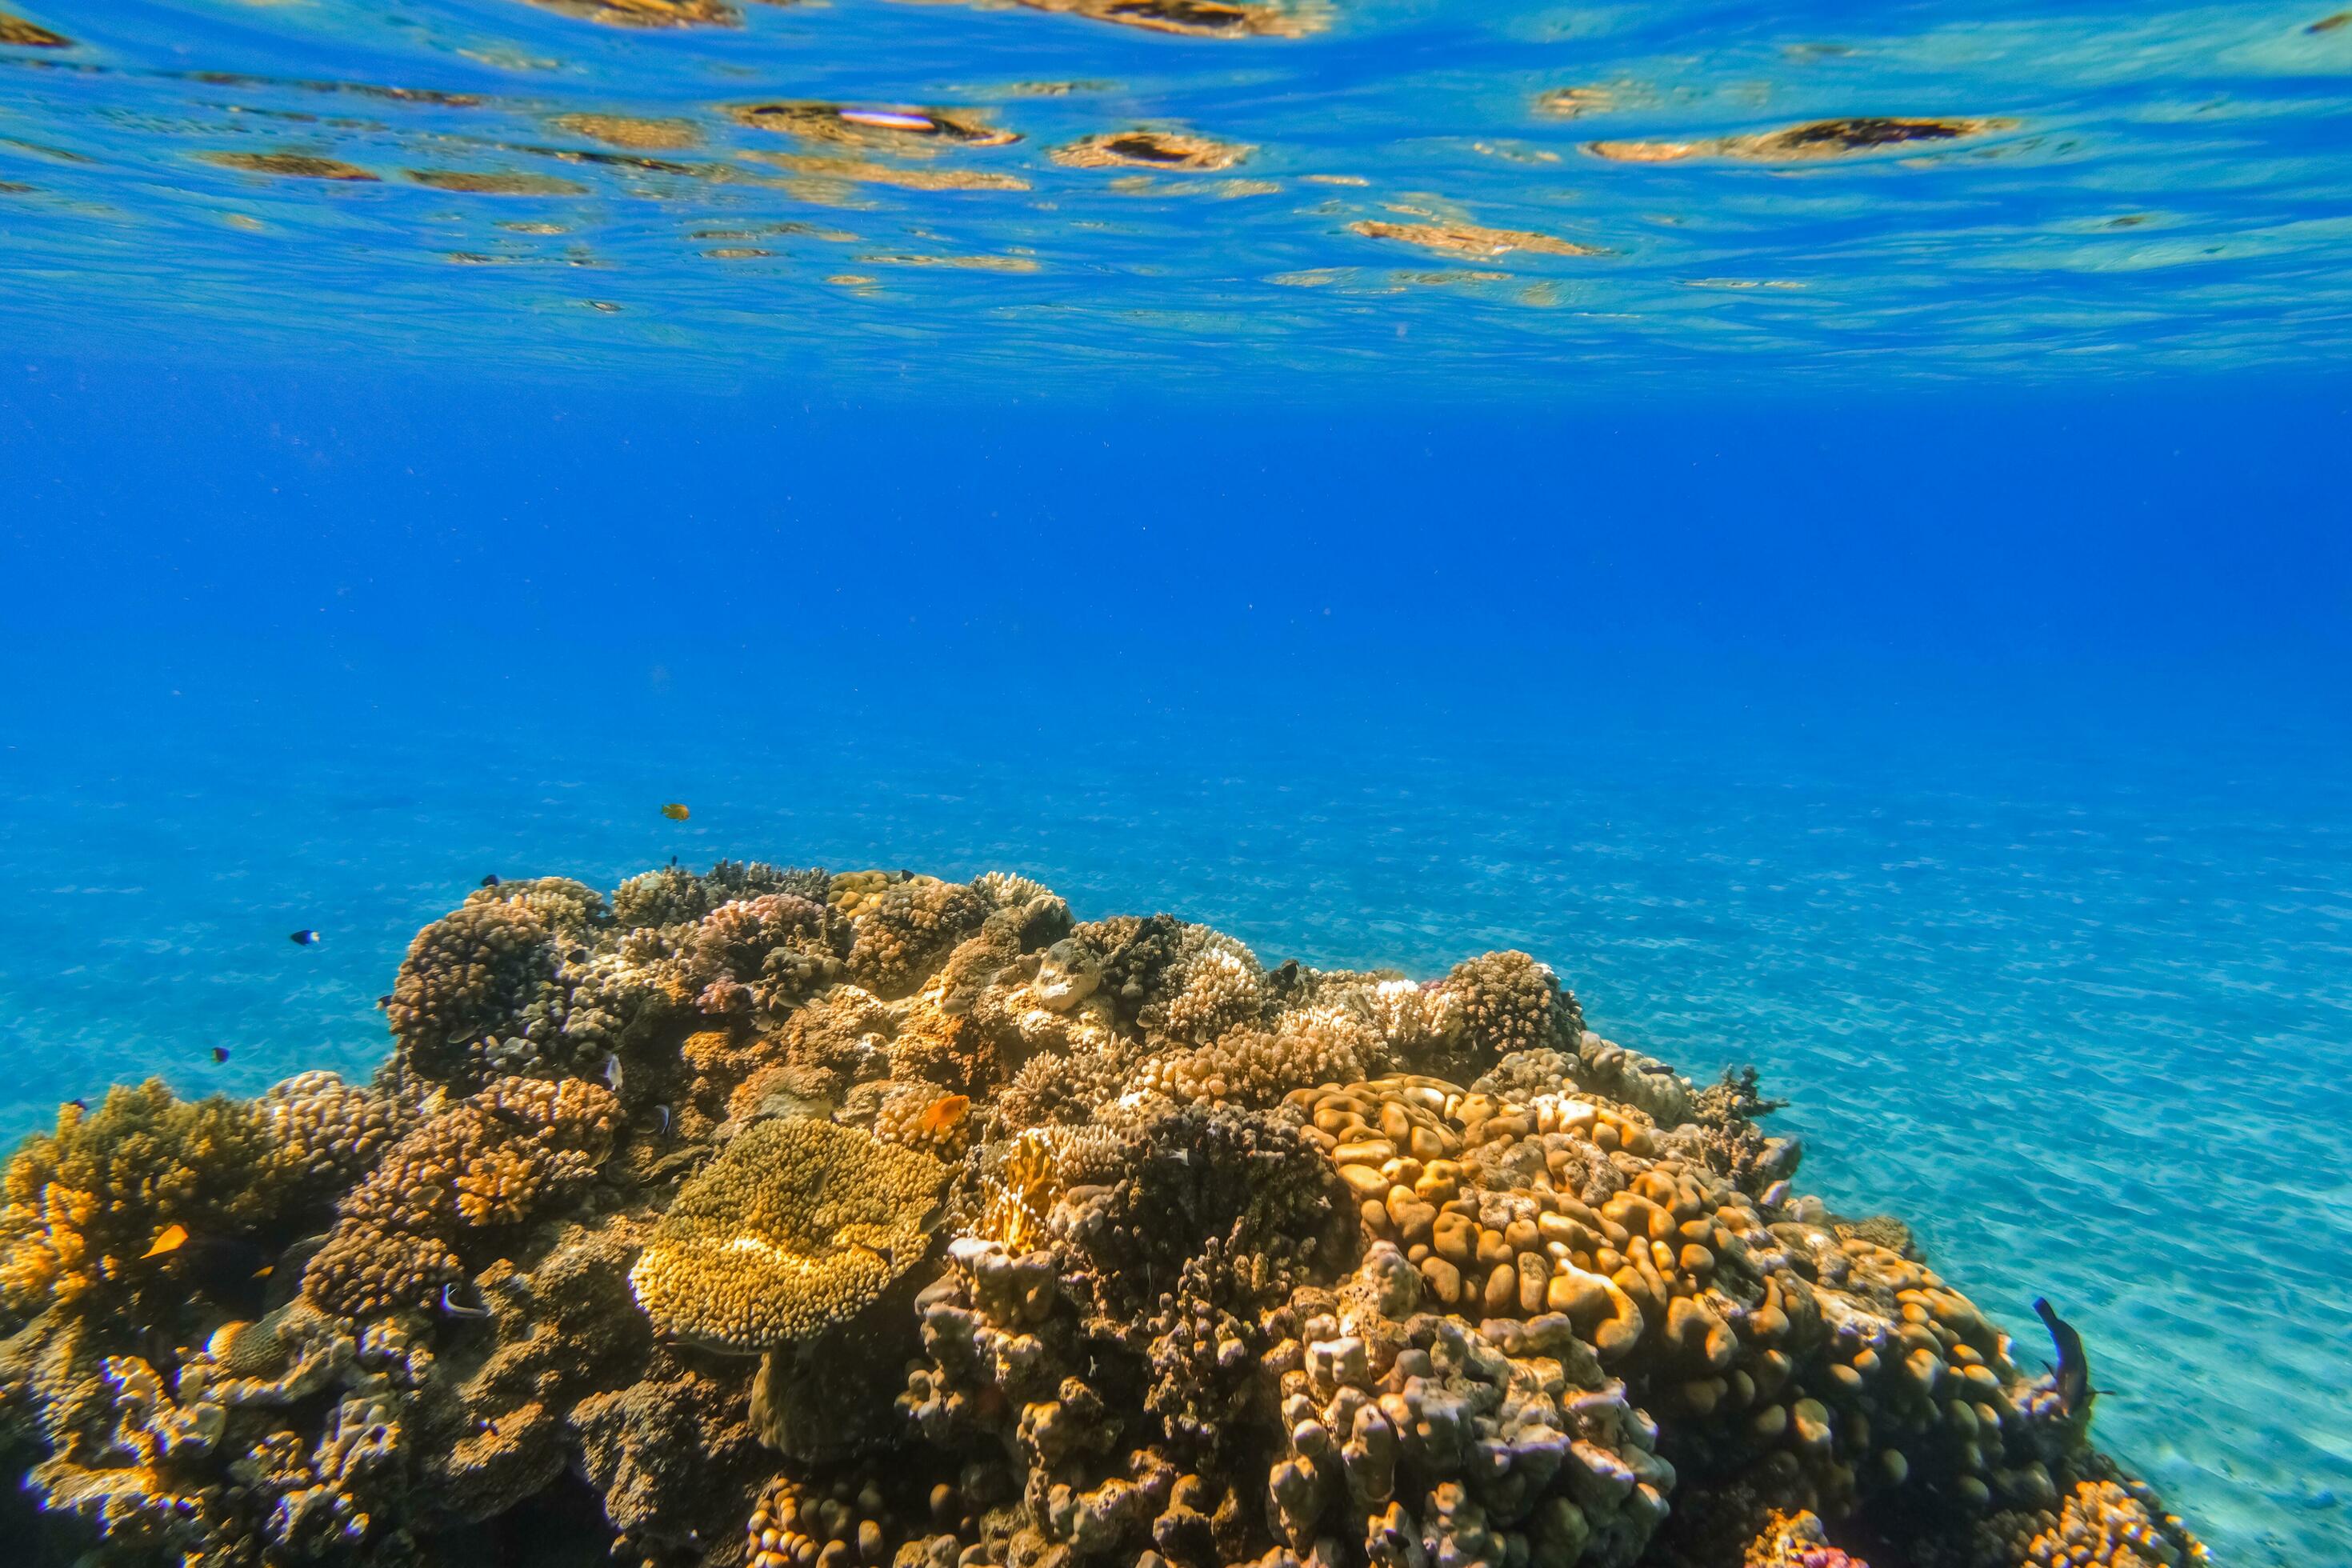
1072	1242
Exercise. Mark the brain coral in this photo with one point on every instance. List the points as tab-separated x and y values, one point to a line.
795	1228
1059	1245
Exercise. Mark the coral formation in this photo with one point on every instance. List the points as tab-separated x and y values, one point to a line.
1143	149
1470	238
485	1164
794	1229
16	30
774	1217
1199	18
1802	143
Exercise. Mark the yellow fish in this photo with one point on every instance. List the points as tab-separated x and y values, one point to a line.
173	1237
676	812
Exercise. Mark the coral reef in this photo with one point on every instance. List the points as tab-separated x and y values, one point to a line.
786	1218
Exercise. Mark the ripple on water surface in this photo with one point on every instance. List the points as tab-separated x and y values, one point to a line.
1639	186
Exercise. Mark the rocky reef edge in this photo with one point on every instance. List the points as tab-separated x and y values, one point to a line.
767	1217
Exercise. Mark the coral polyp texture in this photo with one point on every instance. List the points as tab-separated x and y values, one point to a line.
764	1218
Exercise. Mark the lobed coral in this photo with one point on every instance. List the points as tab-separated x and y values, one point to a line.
782	1217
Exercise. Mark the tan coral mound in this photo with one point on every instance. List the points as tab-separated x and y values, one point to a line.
496	182
797	1227
16	30
1024	1242
1198	18
633	131
1470	238
648	13
900	130
292	165
1801	143
1150	149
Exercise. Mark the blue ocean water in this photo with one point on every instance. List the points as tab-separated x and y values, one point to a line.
1823	523
1995	808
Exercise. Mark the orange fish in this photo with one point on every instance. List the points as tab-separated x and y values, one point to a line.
676	812
174	1237
942	1114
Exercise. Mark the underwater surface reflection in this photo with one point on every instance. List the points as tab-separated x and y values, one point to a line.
1054	186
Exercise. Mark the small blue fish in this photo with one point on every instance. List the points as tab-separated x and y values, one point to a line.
612	1073
220	1055
661	1116
491	880
303	938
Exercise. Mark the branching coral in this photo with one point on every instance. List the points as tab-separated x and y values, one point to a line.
87	1204
768	952
1059	1244
906	930
489	1162
469	976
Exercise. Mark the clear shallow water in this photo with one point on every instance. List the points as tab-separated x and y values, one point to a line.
1995	809
1881	617
2073	1001
2108	186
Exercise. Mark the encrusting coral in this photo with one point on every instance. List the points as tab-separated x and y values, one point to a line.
783	1218
794	1229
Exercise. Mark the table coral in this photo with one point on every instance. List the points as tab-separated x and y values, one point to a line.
1059	1244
